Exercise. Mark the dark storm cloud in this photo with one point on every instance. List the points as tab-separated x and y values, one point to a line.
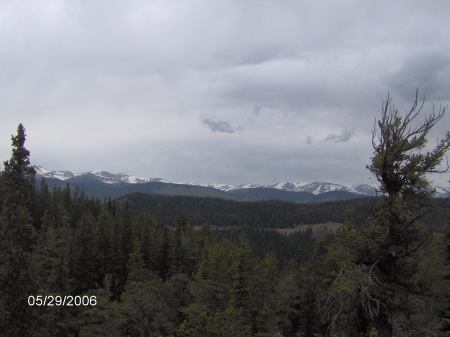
221	126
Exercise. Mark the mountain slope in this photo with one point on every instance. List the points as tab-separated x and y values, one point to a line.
95	188
105	184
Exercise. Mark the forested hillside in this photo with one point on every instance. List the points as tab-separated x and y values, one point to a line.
269	214
72	265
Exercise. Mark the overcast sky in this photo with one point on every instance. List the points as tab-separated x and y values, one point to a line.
216	91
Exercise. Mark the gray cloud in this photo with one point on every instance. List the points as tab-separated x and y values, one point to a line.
255	114
343	137
427	71
221	126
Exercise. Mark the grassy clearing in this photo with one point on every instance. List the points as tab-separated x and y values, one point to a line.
318	230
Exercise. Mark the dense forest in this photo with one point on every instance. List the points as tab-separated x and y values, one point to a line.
73	265
269	213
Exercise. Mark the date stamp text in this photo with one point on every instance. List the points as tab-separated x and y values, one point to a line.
61	300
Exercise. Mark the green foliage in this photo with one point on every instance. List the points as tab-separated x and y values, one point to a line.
81	258
50	262
244	264
264	295
18	174
211	288
399	163
137	272
264	214
227	323
17	239
103	319
144	310
384	279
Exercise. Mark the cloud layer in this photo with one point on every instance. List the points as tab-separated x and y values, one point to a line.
231	92
220	126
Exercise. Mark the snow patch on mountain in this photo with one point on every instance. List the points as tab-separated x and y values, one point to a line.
246	186
220	187
61	175
363	189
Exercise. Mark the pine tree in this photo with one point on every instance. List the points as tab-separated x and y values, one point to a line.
179	253
17	238
371	273
81	261
102	319
144	309
163	258
245	266
264	293
121	248
102	244
400	163
136	268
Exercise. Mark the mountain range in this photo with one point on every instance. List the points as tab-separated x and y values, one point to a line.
104	184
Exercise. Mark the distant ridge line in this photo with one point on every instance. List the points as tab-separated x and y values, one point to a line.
249	190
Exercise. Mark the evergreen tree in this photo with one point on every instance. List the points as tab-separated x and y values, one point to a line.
17	239
81	259
50	261
145	311
162	262
213	284
102	319
227	323
136	268
400	163
121	248
372	276
150	232
264	293
245	265
179	251
102	244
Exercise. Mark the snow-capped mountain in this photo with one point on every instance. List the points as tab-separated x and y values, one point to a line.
103	176
314	187
61	175
318	187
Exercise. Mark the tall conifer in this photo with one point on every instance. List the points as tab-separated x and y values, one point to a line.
401	163
17	237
